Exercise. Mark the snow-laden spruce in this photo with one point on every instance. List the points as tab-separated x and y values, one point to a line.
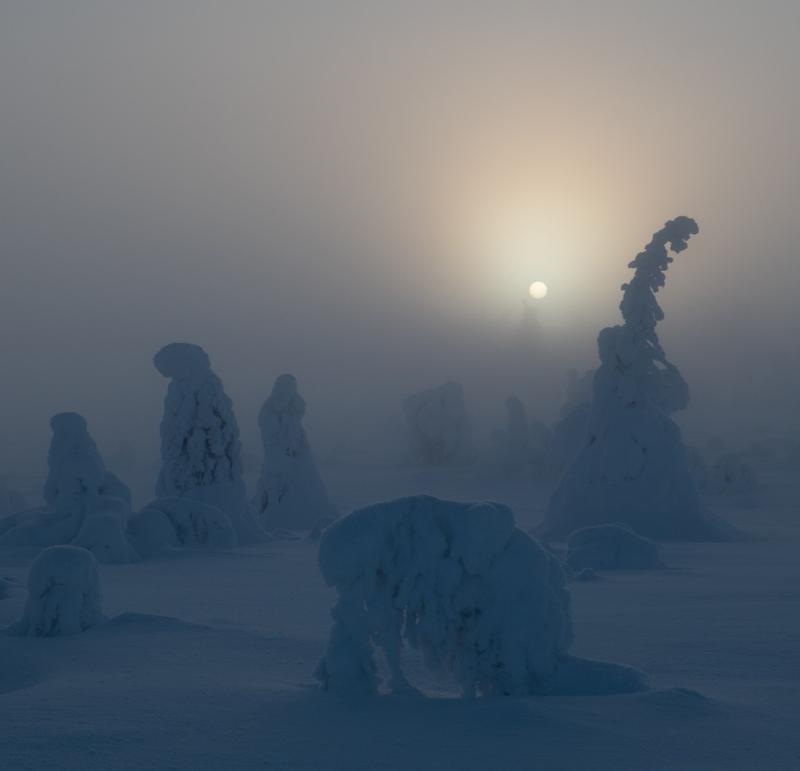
63	594
291	494
200	447
632	467
438	427
460	582
85	503
611	547
525	445
569	432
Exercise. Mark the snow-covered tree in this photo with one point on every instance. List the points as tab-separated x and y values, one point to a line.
291	494
63	594
86	503
11	501
632	467
461	583
525	445
438	426
569	432
200	447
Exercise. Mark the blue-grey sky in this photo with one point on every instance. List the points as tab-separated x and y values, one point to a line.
360	193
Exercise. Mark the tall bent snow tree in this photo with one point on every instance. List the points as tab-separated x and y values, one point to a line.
632	467
200	448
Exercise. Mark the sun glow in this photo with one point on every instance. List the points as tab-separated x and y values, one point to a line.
538	290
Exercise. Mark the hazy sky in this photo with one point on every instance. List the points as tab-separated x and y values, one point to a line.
360	193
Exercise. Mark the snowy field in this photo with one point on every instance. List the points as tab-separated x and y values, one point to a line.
207	661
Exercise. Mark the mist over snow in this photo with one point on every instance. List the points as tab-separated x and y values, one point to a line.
345	421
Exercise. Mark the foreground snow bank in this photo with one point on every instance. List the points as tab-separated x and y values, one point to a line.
461	583
63	594
611	547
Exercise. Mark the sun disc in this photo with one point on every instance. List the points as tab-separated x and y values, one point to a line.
537	290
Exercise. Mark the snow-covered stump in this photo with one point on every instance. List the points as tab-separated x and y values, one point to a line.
291	494
611	547
462	584
632	467
438	427
63	594
200	447
87	505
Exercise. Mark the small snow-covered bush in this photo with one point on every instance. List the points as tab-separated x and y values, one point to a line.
438	427
63	594
458	581
195	523
291	494
611	547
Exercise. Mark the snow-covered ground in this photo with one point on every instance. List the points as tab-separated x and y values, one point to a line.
207	660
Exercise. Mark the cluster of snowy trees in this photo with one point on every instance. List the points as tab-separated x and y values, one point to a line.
460	582
201	495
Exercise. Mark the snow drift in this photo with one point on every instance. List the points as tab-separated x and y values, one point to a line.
461	583
611	547
291	494
200	447
438	427
632	467
63	594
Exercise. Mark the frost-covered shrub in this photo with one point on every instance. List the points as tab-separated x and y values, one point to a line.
458	581
63	594
195	523
438	427
611	547
632	466
78	488
200	447
291	494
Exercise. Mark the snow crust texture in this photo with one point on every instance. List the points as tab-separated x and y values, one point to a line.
291	494
63	594
458	581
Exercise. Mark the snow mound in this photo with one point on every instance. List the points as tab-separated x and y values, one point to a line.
458	581
63	594
151	532
193	523
438	427
103	532
201	455
632	465
291	494
611	547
